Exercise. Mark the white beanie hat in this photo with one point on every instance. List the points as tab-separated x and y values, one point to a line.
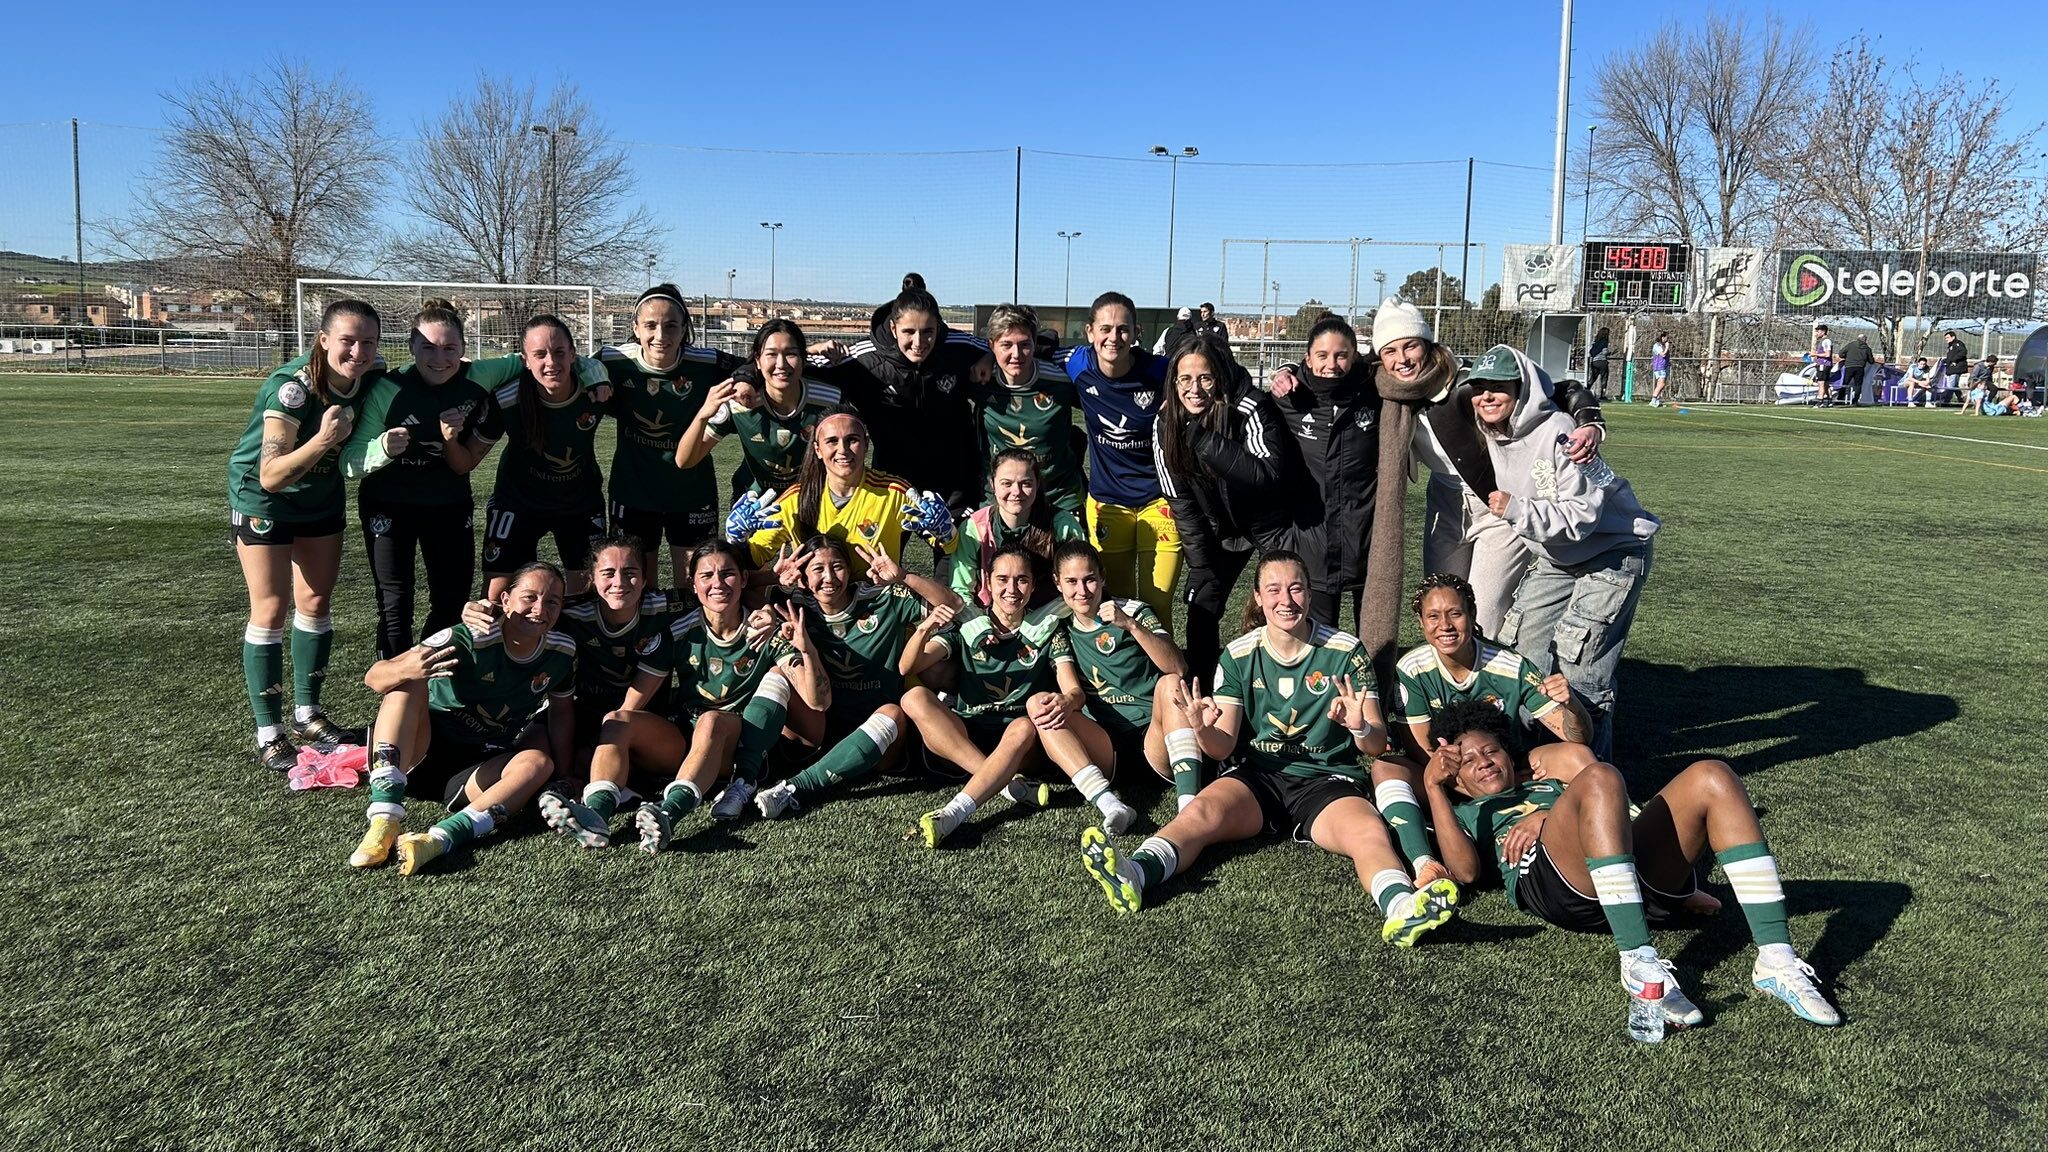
1397	319
1187	314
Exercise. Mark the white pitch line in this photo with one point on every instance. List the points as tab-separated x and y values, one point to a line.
1719	411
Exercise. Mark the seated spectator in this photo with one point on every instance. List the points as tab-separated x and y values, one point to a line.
1980	385
1920	384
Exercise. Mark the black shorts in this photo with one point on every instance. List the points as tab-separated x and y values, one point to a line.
260	530
512	536
682	528
1292	803
1545	894
446	770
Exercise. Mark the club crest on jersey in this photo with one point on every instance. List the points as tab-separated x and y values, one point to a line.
540	681
1042	402
653	386
649	644
742	666
1145	399
587	421
1317	681
1105	642
439	639
380	525
869	623
292	395
869	529
783	437
1287	685
717	666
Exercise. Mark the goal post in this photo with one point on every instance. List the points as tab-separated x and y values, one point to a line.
492	314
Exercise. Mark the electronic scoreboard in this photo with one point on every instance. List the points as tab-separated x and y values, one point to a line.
1637	277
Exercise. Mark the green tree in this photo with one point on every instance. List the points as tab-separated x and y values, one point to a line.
1420	290
1304	318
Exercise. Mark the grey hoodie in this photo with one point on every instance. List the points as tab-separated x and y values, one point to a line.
1566	513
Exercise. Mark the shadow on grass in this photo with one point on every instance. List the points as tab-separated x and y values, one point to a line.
1671	716
1859	914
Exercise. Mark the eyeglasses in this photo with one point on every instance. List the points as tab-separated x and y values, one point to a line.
1204	381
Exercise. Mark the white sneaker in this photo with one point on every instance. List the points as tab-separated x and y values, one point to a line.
774	802
1793	984
732	802
1679	1010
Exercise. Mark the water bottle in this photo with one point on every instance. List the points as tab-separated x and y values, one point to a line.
1646	1004
1597	473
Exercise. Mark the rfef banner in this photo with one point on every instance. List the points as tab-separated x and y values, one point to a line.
1833	282
1729	278
1538	277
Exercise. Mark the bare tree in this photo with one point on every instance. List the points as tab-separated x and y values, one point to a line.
1696	126
1917	166
260	182
497	201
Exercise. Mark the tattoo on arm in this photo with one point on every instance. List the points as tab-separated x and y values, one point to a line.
274	448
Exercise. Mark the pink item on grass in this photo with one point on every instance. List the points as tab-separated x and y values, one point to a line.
341	768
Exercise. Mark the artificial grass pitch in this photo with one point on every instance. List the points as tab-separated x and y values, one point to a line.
1852	617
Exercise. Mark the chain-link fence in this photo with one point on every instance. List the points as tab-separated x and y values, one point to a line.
823	237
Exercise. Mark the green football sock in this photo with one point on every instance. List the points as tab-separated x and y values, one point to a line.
602	797
680	799
1621	899
1396	800
312	640
1754	875
1389	885
263	672
1156	859
850	759
760	727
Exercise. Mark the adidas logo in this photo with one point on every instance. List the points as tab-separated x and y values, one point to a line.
1092	391
410	420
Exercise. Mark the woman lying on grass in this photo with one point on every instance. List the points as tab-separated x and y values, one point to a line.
1556	825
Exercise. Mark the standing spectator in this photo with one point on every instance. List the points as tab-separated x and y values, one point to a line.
1183	327
1856	359
1589	538
1660	368
1208	325
1920	384
1596	364
1823	354
1955	365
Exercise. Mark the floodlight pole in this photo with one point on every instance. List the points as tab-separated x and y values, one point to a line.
1564	97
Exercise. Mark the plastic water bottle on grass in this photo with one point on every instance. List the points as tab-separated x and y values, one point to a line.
1646	1004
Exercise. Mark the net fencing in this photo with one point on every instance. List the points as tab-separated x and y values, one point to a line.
823	237
492	314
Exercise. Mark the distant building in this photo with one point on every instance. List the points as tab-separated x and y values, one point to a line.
54	311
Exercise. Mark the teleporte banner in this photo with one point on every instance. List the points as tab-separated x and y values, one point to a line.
1832	282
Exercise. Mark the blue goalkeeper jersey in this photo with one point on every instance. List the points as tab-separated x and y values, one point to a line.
1120	416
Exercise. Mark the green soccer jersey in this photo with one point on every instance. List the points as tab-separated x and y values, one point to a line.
1040	418
1000	670
492	696
1500	676
608	660
1489	820
420	474
1286	726
983	534
862	644
556	472
718	673
1115	671
654	408
287	396
774	442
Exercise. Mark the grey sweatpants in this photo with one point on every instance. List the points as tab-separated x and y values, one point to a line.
1461	537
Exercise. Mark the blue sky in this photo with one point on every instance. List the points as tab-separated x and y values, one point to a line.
1384	102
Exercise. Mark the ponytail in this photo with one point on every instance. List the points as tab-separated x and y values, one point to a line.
530	420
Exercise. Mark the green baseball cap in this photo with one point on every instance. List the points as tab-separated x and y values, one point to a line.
1498	363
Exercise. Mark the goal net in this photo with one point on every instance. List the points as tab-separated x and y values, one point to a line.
492	314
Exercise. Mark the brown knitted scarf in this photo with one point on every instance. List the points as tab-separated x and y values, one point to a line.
1379	615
